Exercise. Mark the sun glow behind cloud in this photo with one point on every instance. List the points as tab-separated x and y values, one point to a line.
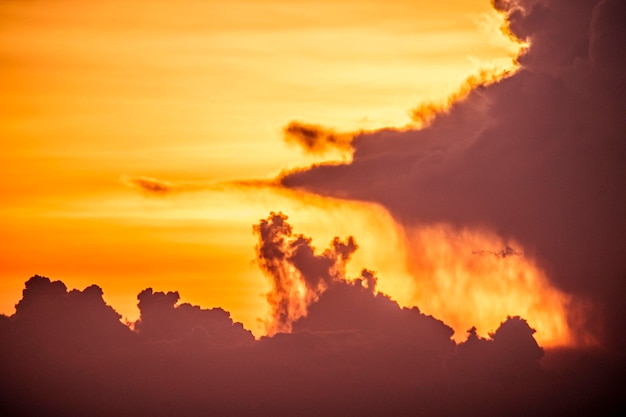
473	278
200	91
145	163
199	243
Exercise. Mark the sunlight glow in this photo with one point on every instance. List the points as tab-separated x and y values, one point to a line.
471	277
198	92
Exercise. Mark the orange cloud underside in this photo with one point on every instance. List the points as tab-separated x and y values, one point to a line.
200	91
471	277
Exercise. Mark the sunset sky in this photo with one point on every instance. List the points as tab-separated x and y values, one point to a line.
142	140
198	92
329	208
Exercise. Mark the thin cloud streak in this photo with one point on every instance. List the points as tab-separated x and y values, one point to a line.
155	186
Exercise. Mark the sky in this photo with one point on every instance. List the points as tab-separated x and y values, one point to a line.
96	93
330	208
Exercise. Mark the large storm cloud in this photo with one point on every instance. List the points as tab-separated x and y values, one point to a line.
537	157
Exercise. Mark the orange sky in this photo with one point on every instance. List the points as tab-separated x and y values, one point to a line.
92	91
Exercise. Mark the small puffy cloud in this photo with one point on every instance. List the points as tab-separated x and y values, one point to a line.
317	139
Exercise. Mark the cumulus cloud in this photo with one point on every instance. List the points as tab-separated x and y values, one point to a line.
348	307
536	157
510	349
311	292
162	319
73	322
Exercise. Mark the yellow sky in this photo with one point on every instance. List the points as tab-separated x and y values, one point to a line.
186	90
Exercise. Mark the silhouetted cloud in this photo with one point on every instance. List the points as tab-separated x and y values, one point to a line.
312	293
356	352
352	351
349	307
537	157
511	349
162	320
52	318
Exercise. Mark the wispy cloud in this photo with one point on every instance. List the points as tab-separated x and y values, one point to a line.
157	186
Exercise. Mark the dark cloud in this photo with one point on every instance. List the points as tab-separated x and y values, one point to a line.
317	139
349	307
354	351
162	320
159	187
537	157
511	349
147	184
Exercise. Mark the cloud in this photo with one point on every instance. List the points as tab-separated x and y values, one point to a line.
317	139
535	158
502	253
426	112
162	320
356	351
311	292
148	184
298	274
349	307
349	348
74	322
159	187
509	352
